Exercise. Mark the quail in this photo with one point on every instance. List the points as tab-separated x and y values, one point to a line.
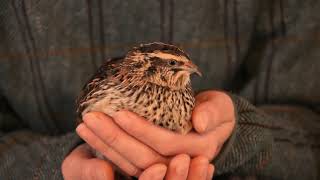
152	80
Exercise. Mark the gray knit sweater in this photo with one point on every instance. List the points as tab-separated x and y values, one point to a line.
266	52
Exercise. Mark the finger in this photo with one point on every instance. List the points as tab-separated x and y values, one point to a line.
198	168
72	164
204	117
131	149
162	140
210	172
178	168
107	151
81	152
169	143
81	165
97	169
212	109
156	172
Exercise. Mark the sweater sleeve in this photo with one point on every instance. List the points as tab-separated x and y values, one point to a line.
271	142
28	155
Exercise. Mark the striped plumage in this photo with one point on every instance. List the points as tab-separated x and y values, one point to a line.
152	80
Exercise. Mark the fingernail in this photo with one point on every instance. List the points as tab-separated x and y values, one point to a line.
80	127
89	117
161	173
183	165
203	124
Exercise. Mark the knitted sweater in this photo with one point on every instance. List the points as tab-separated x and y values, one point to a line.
266	53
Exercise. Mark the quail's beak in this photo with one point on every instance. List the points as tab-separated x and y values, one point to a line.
192	68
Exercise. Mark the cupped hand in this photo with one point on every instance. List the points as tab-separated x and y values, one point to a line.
134	144
81	165
181	167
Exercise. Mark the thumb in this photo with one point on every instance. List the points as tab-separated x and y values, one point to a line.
98	169
212	109
203	117
80	164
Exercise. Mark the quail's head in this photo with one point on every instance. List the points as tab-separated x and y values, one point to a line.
162	64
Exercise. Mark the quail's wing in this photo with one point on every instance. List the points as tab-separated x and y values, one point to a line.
104	74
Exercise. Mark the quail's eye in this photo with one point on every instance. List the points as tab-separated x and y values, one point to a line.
172	62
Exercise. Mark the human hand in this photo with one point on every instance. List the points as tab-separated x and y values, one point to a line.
181	167
134	144
81	165
129	155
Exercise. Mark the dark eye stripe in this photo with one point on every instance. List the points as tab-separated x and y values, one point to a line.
151	70
156	61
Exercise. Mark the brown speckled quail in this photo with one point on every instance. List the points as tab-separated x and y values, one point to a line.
152	80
